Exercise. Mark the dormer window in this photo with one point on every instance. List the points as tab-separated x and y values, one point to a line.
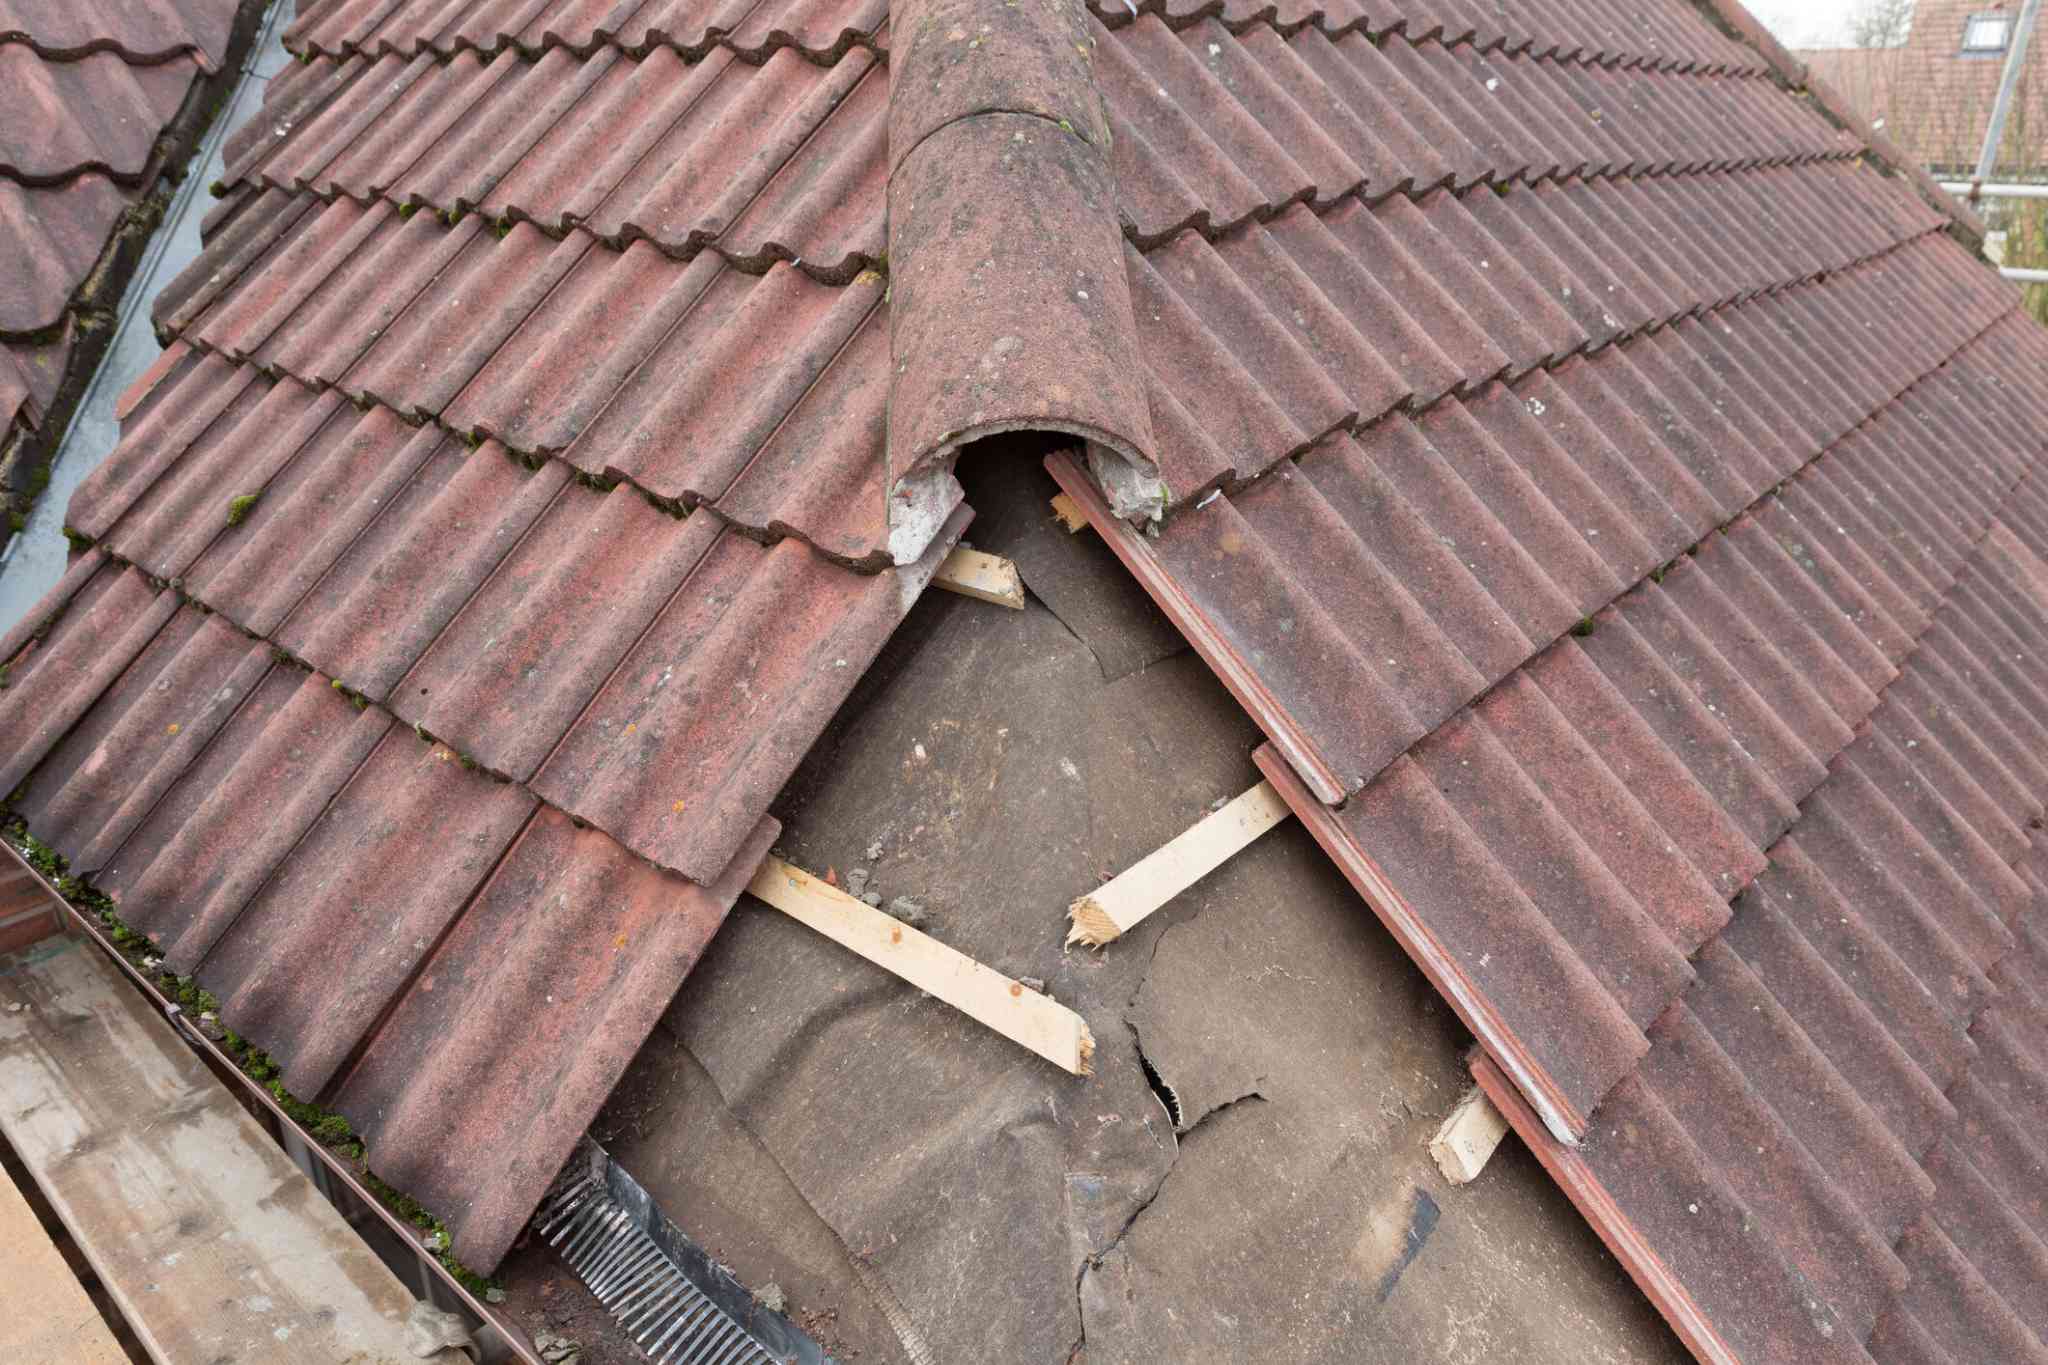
1986	34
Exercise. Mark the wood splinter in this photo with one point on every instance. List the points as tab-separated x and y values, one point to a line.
1113	908
1466	1142
1011	1008
982	576
1069	514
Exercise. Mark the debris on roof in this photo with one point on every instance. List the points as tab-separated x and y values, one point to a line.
1605	481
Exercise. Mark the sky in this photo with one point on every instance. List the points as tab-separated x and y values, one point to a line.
1806	23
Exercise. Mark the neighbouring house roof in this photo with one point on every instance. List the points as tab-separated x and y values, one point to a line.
1865	76
1622	520
96	99
1934	99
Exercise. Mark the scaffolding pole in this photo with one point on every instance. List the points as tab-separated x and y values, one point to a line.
2015	59
1964	189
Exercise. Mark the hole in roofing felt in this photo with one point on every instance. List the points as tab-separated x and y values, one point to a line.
1160	1088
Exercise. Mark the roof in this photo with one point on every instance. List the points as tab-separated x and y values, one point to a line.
1565	442
96	98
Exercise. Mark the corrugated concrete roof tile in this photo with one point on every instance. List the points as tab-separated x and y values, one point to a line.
98	113
581	26
396	396
58	232
143	35
95	98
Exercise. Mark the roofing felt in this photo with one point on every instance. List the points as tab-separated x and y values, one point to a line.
596	372
91	98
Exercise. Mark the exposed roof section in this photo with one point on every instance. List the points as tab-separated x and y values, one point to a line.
1360	602
94	99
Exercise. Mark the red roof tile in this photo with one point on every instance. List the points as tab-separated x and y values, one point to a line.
95	99
142	34
97	113
58	232
444	27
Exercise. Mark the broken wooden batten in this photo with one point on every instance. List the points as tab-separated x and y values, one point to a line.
1069	514
982	576
1111	910
1468	1137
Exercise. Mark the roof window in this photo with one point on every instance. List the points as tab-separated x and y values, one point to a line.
1987	33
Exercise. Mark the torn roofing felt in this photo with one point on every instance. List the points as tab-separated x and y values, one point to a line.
96	98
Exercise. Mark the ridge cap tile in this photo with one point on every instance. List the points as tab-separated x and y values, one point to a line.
1010	306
